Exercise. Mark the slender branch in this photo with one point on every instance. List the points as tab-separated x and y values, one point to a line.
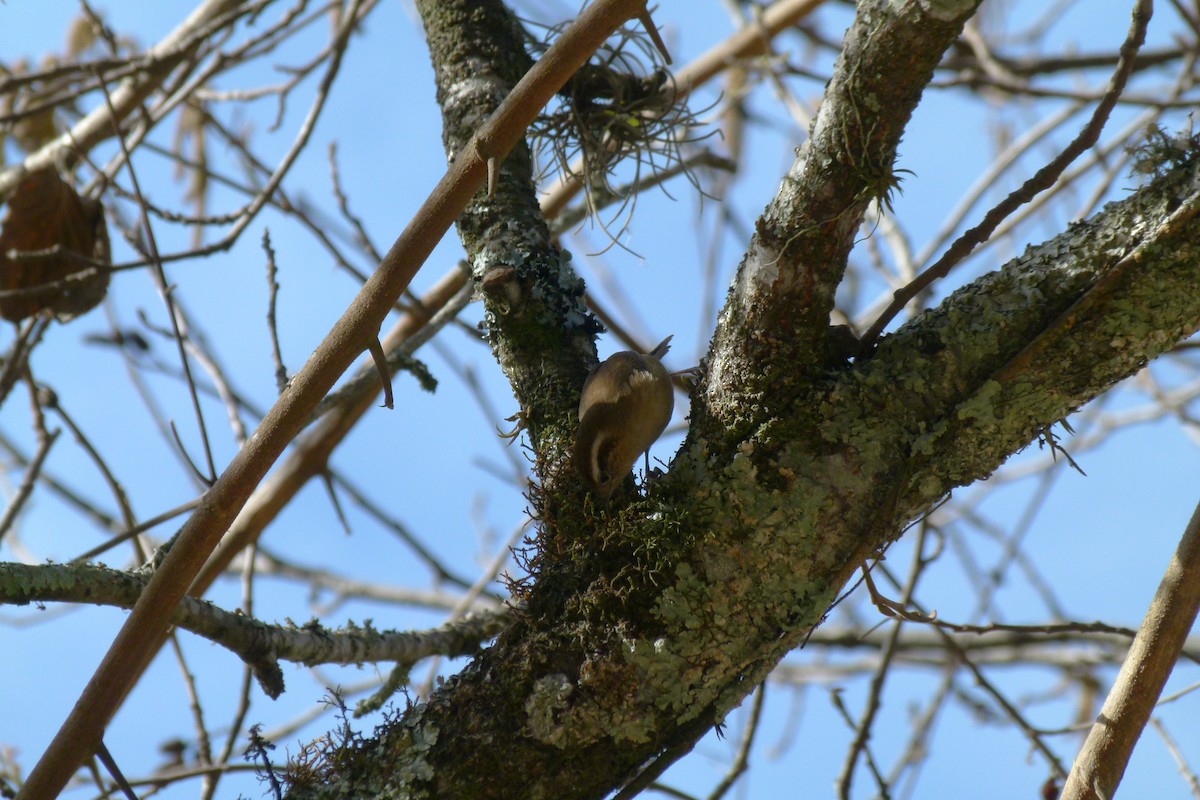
741	761
864	726
1101	762
1043	179
32	471
1035	736
311	453
143	632
257	643
161	61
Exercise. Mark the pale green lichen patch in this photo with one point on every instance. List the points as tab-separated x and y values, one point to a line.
981	405
923	443
422	741
946	10
416	741
545	707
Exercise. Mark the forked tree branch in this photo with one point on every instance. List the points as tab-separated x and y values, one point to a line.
144	630
649	623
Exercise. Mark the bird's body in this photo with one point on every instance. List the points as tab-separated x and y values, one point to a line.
626	403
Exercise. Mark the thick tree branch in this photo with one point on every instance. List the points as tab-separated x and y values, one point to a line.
144	631
540	331
259	644
772	331
644	633
1056	327
773	327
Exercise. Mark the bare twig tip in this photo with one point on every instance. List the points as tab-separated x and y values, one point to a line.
493	176
385	376
648	23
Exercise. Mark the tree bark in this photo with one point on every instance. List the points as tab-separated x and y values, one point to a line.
646	624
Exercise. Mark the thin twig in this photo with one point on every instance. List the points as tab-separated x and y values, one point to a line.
741	761
143	631
153	522
165	290
1185	770
1041	180
32	471
875	697
1034	735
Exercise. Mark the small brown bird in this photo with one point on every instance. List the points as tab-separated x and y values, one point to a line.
626	403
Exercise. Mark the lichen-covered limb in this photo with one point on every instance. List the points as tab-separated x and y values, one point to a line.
740	558
540	331
658	623
773	326
1006	357
941	403
257	643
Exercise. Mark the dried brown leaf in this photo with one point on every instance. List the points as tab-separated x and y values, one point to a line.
47	243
